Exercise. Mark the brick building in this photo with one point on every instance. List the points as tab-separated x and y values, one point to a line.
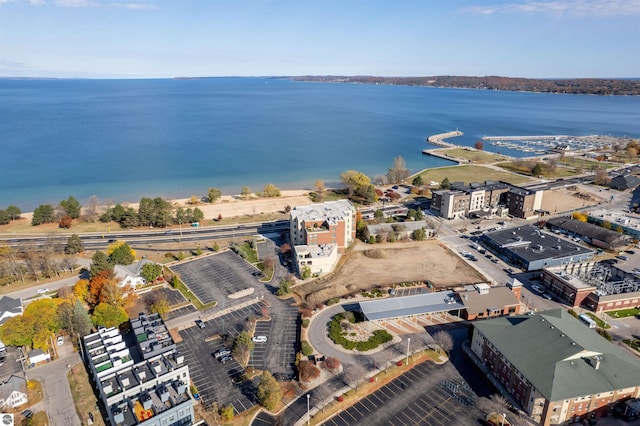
553	366
333	222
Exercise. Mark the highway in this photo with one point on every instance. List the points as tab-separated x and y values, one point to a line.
96	240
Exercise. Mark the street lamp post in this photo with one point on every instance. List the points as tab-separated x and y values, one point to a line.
308	418
408	343
504	418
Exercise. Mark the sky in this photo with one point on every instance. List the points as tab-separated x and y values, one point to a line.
172	38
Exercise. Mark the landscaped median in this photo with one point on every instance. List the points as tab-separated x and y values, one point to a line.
342	332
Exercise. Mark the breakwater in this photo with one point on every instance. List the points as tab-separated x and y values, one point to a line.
438	140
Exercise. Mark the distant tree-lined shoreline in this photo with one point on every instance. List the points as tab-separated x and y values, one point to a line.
582	86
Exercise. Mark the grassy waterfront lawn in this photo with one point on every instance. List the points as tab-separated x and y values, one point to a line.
471	173
473	155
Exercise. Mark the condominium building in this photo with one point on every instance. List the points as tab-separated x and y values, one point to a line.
557	369
488	198
143	381
332	222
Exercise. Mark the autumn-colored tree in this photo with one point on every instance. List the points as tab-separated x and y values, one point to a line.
270	190
108	315
111	293
269	392
66	292
478	145
17	331
95	286
582	217
320	188
331	364
81	289
157	303
307	371
285	248
120	253
66	222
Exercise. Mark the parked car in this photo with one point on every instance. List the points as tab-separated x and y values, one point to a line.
60	340
225	359
42	291
27	414
259	339
200	323
537	289
621	257
221	353
547	296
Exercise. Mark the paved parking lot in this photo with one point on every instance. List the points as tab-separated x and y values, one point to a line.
179	312
280	353
174	297
212	378
214	278
406	401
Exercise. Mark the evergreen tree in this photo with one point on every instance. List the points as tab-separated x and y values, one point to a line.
81	320
42	214
417	181
99	262
122	255
13	212
71	207
74	245
445	183
4	217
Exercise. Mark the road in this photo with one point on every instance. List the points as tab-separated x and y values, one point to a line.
100	240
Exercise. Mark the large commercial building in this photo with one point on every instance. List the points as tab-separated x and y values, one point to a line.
320	233
491	197
593	234
143	382
533	249
556	368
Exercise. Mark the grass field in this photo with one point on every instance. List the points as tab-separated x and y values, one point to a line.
473	155
624	313
471	173
558	172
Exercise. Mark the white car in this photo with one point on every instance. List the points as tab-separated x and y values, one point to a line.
259	339
60	340
537	289
42	291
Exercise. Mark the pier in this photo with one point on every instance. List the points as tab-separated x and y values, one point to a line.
438	140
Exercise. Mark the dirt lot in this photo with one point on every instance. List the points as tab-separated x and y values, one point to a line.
566	199
399	262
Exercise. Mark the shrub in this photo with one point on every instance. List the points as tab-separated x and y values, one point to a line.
340	398
331	364
338	336
306	348
332	301
307	371
399	363
305	322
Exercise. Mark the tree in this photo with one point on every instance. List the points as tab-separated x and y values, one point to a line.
154	212
331	364
65	222
71	207
42	214
158	304
320	188
582	217
354	181
81	289
108	315
269	392
445	184
242	347
478	145
151	272
81	320
213	195
4	217
353	374
284	288
444	340
227	413
305	273
120	253
17	331
74	245
536	170
270	191
399	172
602	177
96	284
419	234
417	181
245	192
91	209
307	371
99	262
13	212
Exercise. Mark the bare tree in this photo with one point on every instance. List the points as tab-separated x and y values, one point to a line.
399	172
352	374
321	393
91	209
444	340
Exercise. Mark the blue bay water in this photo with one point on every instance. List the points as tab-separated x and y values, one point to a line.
124	139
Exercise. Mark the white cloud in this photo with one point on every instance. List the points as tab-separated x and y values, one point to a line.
76	3
580	8
137	6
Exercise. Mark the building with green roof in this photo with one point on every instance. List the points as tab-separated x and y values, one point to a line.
554	366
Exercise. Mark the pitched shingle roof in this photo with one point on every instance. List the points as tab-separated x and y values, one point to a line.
556	353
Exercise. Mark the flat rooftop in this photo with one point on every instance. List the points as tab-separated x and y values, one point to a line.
531	243
575	281
331	211
420	304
